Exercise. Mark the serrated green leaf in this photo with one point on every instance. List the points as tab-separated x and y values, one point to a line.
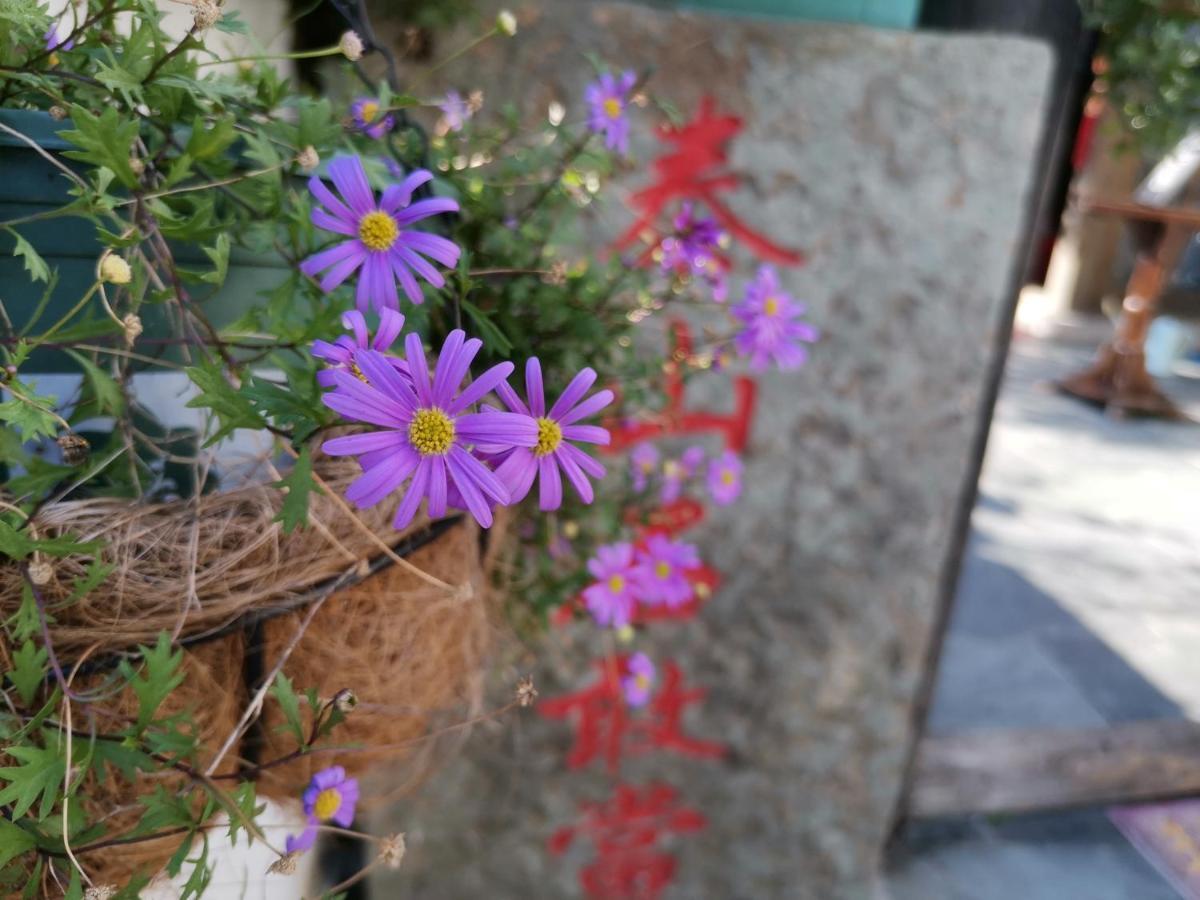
34	264
30	415
210	140
219	254
286	407
103	140
29	670
289	705
246	803
297	486
159	676
13	544
233	410
109	397
39	776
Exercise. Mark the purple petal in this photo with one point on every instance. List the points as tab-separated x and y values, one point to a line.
330	353
549	484
413	496
588	407
412	290
507	429
418	369
437	487
399	195
465	479
323	259
376	483
574	393
318	189
534	392
452	365
348	176
434	246
423	209
304	841
328	222
420	266
341	272
359	401
354	321
588	434
511	400
578	480
390	325
383	286
581	459
517	472
480	387
353	444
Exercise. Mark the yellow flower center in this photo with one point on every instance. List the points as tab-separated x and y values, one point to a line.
329	801
549	437
726	477
642	681
672	469
378	231
771	306
662	569
616	584
612	108
358	373
431	432
369	111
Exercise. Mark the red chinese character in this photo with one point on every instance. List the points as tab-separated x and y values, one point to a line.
696	170
626	830
603	721
734	427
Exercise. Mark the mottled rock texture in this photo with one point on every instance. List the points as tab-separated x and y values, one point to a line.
902	163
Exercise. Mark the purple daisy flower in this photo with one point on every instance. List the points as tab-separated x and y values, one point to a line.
676	472
607	98
661	571
381	242
610	600
725	478
365	113
329	797
692	459
340	354
425	430
53	41
772	328
692	242
455	111
556	428
636	684
643	460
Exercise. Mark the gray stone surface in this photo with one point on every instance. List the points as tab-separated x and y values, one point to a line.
901	163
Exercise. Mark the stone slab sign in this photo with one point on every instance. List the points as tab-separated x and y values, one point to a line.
902	163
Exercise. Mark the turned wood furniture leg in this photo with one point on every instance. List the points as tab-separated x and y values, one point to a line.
1118	379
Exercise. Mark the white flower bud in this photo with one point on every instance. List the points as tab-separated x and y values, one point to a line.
351	46
115	270
506	23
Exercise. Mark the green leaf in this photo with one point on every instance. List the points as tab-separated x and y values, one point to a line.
14	841
297	486
289	705
495	339
29	670
109	397
219	254
159	676
121	757
34	264
30	415
207	141
103	140
246	803
231	23
39	775
286	407
231	408
13	543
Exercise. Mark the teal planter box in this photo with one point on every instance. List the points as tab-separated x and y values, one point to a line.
882	13
30	184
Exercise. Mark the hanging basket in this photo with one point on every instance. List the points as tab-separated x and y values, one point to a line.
401	620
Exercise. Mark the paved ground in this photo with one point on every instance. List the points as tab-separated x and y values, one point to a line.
1079	605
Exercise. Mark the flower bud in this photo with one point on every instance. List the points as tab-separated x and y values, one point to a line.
506	23
308	158
115	270
57	113
351	46
391	850
132	325
41	572
75	448
206	14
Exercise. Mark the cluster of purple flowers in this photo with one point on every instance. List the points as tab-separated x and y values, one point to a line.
723	475
654	574
691	251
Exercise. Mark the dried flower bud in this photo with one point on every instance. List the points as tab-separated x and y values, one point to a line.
41	572
115	270
285	865
132	325
75	448
557	276
345	700
391	850
137	165
506	23
526	692
207	13
351	46
57	113
100	892
308	158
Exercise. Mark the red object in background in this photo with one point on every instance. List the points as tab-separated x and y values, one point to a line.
674	420
626	830
603	721
697	170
